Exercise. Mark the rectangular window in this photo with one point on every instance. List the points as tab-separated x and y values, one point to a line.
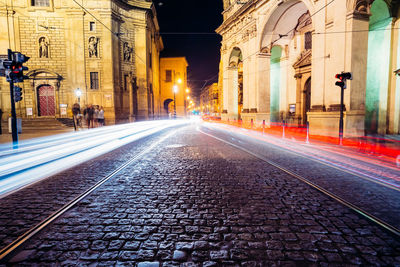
40	2
92	26
307	40
94	80
168	76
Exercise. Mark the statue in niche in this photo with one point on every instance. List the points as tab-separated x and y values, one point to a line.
43	47
127	52
93	43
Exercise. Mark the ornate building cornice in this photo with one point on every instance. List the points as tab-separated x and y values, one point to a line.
249	5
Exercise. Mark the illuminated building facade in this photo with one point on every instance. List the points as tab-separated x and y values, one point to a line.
280	58
108	49
173	74
209	100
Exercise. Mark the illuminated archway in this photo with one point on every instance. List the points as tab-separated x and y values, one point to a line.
287	39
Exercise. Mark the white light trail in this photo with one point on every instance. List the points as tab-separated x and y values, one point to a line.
41	158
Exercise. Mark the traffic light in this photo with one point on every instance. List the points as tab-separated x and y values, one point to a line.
17	94
15	68
343	77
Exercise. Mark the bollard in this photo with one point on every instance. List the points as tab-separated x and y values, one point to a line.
308	131
283	129
263	127
252	123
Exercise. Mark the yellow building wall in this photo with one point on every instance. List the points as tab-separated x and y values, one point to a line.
178	67
124	82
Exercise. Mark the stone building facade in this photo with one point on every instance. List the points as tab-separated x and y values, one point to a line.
280	58
108	50
173	72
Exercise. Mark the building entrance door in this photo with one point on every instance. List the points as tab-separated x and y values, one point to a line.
46	100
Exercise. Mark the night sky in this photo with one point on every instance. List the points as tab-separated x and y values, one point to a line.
202	51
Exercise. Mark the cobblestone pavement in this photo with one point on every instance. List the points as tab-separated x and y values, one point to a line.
195	201
29	206
381	201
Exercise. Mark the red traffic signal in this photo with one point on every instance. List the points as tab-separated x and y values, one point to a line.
344	76
17	72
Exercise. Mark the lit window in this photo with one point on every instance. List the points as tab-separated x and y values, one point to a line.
94	80
40	2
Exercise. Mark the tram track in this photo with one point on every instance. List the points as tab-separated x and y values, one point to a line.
11	249
381	223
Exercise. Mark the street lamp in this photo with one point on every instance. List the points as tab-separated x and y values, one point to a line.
78	94
175	91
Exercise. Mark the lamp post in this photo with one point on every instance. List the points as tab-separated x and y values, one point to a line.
175	91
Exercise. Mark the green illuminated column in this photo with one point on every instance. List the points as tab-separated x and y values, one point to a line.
379	39
275	78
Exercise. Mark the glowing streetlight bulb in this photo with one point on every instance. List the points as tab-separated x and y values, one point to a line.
188	98
179	80
187	90
78	92
175	89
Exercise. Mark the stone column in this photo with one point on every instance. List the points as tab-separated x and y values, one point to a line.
299	95
263	85
225	90
246	86
252	85
356	61
394	80
394	95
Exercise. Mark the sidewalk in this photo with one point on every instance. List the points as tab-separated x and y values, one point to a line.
29	133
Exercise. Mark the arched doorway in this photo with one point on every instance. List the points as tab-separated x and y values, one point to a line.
287	39
46	100
166	105
235	91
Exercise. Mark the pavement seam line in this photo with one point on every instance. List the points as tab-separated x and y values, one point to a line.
358	210
6	251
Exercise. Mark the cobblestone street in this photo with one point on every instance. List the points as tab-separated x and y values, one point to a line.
196	201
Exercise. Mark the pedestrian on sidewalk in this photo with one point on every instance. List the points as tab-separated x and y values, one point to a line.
76	110
100	117
88	112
